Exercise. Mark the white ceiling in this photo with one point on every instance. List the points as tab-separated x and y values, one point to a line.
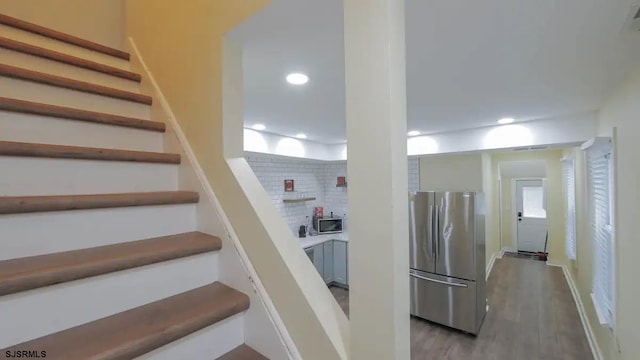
469	62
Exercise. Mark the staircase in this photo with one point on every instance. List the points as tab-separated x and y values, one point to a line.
99	253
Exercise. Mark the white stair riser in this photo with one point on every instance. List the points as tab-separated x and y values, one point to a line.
47	232
35	63
53	95
50	130
35	313
62	47
42	176
208	343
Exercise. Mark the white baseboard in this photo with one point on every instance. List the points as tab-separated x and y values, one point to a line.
490	264
595	349
492	261
508	249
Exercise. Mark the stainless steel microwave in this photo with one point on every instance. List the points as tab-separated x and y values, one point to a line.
327	225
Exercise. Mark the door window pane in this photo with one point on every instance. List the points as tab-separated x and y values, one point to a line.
532	202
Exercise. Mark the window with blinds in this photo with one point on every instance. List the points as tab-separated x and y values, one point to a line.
599	192
569	188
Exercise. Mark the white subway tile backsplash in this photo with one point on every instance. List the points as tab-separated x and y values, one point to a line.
414	175
311	179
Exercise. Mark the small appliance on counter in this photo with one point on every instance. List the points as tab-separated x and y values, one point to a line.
327	225
302	231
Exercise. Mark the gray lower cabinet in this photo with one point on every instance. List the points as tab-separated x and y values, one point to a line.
328	261
318	258
331	260
340	261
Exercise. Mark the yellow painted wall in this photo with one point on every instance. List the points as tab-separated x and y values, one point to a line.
458	172
101	21
581	269
618	118
182	44
464	172
555	205
492	239
507	213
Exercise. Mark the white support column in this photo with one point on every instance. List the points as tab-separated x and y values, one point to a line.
377	174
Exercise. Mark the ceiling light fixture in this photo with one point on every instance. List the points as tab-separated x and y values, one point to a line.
506	120
297	79
301	136
413	133
258	127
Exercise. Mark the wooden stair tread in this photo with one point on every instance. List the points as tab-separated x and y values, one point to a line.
48	79
43	270
28	107
242	352
30	204
11	148
60	36
139	330
67	59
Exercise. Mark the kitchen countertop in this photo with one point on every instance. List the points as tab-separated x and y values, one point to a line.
315	240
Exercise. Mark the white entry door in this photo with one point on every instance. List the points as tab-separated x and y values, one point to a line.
531	215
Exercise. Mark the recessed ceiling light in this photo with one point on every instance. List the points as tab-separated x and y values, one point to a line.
258	127
301	136
413	133
297	79
506	120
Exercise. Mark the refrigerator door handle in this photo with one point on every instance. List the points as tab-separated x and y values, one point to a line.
437	281
436	238
433	233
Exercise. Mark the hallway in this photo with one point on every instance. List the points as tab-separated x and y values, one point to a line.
532	316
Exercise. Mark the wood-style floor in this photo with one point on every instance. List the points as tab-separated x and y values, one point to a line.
532	316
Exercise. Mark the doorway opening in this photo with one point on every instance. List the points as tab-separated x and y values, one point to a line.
531	216
523	207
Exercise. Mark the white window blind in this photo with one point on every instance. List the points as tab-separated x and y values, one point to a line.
569	188
599	187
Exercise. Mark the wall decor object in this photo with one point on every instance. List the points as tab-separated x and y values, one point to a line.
341	181
288	185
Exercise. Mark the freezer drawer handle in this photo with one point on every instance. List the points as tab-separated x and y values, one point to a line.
438	281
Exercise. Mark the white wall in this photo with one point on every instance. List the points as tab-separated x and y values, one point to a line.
564	130
267	143
315	178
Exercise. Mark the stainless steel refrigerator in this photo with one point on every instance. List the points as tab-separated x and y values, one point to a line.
447	265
